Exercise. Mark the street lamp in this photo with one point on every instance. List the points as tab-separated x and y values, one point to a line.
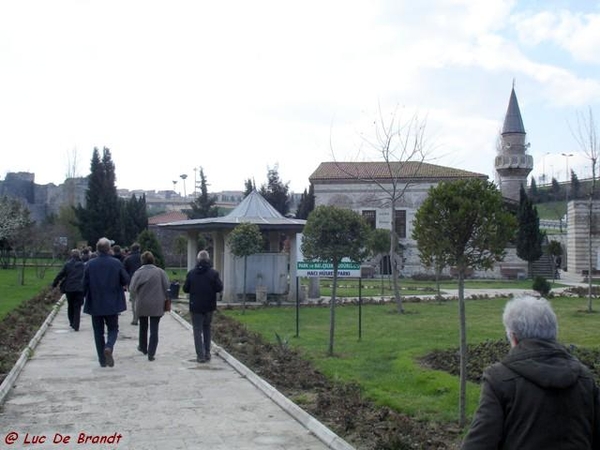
544	167
183	176
567	156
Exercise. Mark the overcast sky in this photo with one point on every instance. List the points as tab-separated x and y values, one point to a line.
237	87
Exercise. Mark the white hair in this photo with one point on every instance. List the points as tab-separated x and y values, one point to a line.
528	317
203	256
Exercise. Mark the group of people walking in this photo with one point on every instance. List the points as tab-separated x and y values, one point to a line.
99	285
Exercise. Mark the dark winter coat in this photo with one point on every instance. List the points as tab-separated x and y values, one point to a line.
132	262
103	281
203	283
149	285
538	397
71	276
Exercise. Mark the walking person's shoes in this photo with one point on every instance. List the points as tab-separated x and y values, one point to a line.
150	358
110	362
134	323
143	351
200	360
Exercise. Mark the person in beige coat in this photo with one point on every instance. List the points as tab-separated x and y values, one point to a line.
150	286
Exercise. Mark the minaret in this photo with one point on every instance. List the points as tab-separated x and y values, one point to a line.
512	164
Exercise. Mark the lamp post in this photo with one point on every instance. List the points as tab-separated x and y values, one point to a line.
183	176
544	167
567	156
195	181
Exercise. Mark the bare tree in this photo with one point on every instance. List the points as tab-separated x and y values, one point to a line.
400	148
586	136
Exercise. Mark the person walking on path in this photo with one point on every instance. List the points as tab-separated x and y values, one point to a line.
132	262
539	396
70	278
150	286
202	283
104	282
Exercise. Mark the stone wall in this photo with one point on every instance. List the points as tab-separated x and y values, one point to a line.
578	215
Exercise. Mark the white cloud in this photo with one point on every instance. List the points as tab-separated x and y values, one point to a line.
576	32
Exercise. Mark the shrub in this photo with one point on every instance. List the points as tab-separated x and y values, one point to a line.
541	285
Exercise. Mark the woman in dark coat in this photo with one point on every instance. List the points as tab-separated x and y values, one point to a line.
71	276
149	285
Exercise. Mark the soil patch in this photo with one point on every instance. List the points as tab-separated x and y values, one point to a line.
19	326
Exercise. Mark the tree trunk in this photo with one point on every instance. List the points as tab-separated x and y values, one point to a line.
244	291
395	272
590	219
332	310
462	396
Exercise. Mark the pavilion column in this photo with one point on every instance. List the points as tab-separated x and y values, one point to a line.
218	250
293	266
192	248
228	273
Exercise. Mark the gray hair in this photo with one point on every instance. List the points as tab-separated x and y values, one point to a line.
75	253
203	256
103	245
528	317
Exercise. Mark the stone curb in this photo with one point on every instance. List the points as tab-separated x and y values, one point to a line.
324	434
12	376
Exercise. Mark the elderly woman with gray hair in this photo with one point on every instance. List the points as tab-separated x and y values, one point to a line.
539	396
149	284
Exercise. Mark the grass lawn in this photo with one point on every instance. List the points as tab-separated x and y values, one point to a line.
385	361
409	287
12	293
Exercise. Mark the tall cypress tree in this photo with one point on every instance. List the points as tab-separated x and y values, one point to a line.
529	236
307	203
101	215
204	205
276	192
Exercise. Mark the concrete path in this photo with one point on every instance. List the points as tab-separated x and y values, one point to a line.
171	403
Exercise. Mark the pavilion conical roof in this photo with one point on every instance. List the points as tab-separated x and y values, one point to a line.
255	206
253	209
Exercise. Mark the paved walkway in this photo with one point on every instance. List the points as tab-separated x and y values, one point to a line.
168	404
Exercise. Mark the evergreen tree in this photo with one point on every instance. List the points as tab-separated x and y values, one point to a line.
276	192
149	242
249	186
307	203
204	205
575	186
101	215
134	219
533	191
529	236
556	190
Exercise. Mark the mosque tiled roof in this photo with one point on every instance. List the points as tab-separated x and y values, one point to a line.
406	171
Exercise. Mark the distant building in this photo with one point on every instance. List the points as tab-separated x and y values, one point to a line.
359	186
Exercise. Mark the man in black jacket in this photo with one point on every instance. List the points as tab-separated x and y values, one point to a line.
539	396
71	276
202	283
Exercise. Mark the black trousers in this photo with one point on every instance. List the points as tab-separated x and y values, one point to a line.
74	303
145	344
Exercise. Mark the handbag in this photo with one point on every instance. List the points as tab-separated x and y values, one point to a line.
167	305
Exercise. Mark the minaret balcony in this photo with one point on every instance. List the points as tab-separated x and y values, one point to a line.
514	162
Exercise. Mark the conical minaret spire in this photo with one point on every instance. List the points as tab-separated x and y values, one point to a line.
512	163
